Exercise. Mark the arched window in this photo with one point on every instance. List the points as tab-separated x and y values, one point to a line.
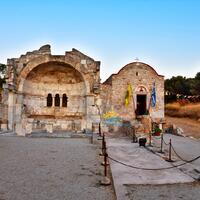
49	100
57	100
64	100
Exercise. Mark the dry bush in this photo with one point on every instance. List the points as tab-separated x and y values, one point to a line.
173	106
189	110
172	109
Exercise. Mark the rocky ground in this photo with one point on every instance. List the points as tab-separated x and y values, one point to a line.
50	169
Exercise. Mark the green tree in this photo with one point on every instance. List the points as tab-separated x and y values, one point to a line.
178	85
196	84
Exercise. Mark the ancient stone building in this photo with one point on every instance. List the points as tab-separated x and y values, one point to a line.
141	77
51	93
47	92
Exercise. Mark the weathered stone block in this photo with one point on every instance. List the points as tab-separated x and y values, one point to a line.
49	128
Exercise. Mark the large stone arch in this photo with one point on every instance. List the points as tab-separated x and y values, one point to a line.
44	60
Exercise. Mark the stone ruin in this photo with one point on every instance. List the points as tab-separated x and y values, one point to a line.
46	92
51	93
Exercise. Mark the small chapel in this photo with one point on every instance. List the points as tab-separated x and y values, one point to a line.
144	104
52	93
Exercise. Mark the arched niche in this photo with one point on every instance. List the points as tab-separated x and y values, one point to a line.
55	78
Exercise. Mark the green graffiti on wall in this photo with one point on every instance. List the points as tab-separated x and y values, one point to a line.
112	118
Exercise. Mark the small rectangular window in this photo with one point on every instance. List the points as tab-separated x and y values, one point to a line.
64	100
57	100
49	100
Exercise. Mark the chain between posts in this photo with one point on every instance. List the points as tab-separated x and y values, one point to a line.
152	169
178	154
171	148
156	169
106	156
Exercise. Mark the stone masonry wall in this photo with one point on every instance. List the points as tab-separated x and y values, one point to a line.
139	75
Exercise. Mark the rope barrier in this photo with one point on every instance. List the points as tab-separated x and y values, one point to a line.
184	160
148	169
178	154
152	169
175	151
165	142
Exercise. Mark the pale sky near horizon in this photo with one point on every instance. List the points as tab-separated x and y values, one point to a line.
162	33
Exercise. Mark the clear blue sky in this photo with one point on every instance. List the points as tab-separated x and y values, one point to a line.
162	33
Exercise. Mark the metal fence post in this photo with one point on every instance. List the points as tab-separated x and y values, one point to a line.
102	145
100	129
170	150
150	139
91	138
161	144
105	162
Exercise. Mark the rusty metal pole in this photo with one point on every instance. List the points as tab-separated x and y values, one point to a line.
99	112
100	129
161	144
102	145
104	154
170	150
150	139
134	139
91	138
105	161
105	181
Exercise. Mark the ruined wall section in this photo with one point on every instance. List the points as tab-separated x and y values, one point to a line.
15	65
27	95
87	66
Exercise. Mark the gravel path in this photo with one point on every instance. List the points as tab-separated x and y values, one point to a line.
189	191
50	169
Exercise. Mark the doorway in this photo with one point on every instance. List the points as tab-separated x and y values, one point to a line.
141	104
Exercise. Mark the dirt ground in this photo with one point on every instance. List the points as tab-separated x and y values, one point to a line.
190	127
